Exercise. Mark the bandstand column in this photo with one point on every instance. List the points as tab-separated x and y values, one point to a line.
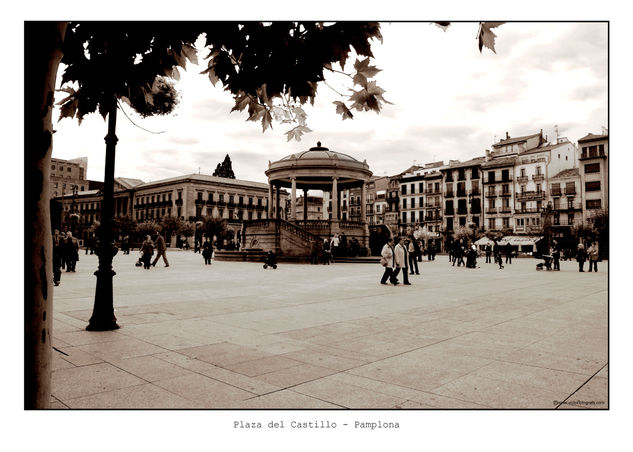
363	203
335	198
305	205
293	200
270	199
278	204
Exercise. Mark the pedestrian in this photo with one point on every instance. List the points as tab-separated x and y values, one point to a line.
401	260
581	257
413	260
450	248
387	261
161	247
508	253
125	245
594	254
335	242
147	249
207	251
71	252
327	252
432	251
460	250
58	251
556	255
496	252
488	253
471	257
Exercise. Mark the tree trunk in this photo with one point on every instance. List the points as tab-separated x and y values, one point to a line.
42	52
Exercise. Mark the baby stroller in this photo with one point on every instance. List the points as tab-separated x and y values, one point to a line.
139	262
270	260
547	263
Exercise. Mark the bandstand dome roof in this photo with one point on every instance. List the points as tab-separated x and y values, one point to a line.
316	167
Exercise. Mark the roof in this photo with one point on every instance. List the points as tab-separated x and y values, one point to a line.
128	182
499	162
472	162
592	137
571	172
319	152
515	140
545	148
203	178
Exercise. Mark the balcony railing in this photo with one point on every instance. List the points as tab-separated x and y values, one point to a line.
522	179
538	177
474	192
570	191
505	209
556	193
567	206
491	210
461	193
449	194
530	195
491	194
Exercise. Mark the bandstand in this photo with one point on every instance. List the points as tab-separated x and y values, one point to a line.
317	169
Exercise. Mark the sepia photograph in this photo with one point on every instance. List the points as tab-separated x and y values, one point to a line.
316	226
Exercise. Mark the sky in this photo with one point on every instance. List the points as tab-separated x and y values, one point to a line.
448	102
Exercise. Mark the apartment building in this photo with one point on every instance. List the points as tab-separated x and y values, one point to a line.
594	174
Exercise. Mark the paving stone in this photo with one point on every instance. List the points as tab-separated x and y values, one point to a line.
87	380
145	396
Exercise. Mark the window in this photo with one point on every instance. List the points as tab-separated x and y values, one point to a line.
404	204
570	219
69	169
404	189
592	168
412	217
412	205
538	188
556	219
505	189
593	204
522	172
505	175
474	173
420	187
592	186
491	176
556	189
404	217
412	188
538	170
491	223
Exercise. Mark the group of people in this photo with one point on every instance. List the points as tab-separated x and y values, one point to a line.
65	254
398	255
147	250
591	254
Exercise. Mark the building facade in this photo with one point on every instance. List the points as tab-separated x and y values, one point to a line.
594	174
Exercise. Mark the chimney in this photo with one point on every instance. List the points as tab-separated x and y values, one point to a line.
487	155
507	136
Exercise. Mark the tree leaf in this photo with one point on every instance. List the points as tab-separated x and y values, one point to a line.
342	110
486	36
267	120
190	53
297	132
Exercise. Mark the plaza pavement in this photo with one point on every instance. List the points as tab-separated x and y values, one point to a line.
235	336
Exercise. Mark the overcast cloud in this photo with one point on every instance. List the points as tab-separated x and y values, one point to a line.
449	101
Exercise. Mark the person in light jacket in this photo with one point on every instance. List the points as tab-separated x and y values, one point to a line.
387	261
594	254
160	248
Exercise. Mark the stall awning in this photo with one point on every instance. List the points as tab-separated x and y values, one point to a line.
519	240
484	241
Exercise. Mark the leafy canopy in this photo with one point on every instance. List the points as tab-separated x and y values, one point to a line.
271	69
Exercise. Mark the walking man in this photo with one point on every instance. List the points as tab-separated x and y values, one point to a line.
413	259
71	252
581	257
488	253
160	248
496	252
401	256
387	261
556	256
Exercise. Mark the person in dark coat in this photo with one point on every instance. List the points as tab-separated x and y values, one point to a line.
508	254
496	252
147	249
71	252
160	248
488	253
581	257
207	251
556	255
413	261
58	251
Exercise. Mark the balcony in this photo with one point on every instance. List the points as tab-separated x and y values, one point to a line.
491	194
567	206
449	194
556	192
475	192
505	194
530	195
538	177
507	209
522	179
490	180
570	191
179	202
491	211
461	193
529	210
